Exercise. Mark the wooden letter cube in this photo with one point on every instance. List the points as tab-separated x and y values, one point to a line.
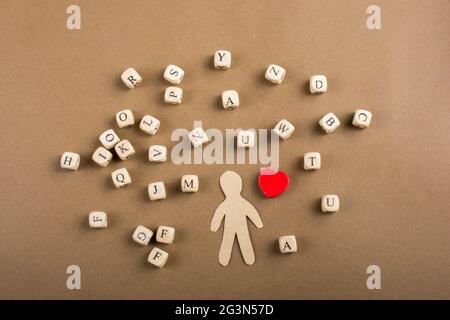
362	118
125	118
288	244
149	125
157	153
173	74
165	234
330	203
131	78
230	99
284	129
311	161
121	177
98	219
124	149
156	191
246	139
318	84
275	74
329	122
173	95
189	183
158	257
198	137
142	235
102	156
222	59
70	160
109	139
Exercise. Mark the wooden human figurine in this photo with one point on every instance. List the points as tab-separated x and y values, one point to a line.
235	210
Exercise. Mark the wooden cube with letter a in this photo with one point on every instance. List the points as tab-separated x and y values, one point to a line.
288	244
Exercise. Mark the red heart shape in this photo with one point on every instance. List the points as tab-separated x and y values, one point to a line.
272	183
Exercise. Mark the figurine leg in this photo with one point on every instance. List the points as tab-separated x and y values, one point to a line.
226	247
246	247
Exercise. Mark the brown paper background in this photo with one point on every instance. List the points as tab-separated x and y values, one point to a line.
61	89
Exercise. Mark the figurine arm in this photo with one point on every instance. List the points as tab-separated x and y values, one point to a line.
253	215
217	218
